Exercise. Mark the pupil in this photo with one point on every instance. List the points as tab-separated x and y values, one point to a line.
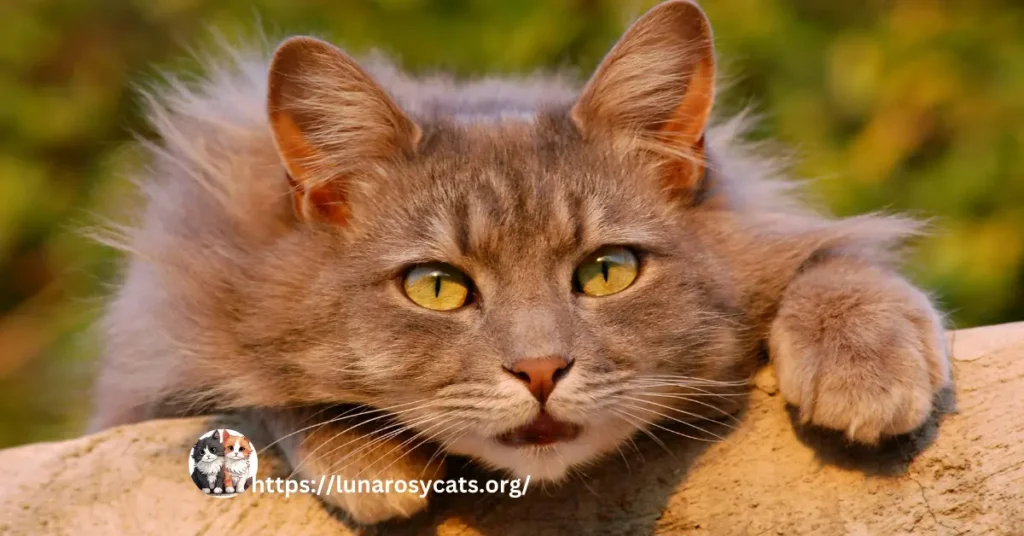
437	286
604	270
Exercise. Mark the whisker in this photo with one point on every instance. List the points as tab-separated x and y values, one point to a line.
438	450
624	460
688	398
630	418
325	409
404	443
342	417
377	418
697	381
456	435
429	438
393	430
366	448
683	412
641	408
396	430
698	389
636	448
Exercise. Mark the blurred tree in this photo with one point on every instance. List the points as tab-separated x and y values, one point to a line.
891	104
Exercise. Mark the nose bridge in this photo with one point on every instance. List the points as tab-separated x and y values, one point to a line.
533	327
536	331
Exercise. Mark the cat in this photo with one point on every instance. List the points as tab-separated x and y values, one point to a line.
236	462
513	270
208	455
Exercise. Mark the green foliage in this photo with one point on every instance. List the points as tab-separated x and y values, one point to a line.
891	105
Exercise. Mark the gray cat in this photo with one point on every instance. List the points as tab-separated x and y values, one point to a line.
514	270
208	460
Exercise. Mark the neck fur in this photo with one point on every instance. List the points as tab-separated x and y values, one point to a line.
238	467
210	467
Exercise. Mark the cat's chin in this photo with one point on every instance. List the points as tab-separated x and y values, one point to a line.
548	462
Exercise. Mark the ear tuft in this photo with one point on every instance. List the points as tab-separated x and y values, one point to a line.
656	86
331	122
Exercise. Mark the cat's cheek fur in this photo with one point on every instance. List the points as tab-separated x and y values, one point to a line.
858	349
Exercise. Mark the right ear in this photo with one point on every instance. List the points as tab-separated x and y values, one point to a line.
657	85
331	122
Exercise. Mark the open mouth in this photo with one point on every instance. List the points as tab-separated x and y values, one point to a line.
544	430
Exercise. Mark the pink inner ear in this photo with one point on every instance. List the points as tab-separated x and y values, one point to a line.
690	118
344	129
688	123
658	84
328	202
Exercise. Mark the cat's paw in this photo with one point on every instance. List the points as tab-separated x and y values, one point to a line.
861	353
339	450
217	491
229	489
206	490
372	508
388	463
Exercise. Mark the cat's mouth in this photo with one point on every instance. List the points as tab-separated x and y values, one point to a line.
544	430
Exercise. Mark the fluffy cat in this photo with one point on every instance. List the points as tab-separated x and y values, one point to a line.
236	462
513	270
208	473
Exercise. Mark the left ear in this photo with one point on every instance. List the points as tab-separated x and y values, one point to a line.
331	122
656	87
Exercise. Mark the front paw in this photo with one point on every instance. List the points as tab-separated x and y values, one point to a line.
373	508
354	456
864	359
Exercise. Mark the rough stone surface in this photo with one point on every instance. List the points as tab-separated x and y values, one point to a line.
963	477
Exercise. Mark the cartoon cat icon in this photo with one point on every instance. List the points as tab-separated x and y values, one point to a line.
208	473
236	466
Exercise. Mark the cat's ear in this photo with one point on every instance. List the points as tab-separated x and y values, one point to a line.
656	88
331	122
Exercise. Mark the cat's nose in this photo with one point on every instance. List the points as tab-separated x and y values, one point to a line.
540	374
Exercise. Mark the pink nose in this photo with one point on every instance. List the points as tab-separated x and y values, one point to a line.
540	374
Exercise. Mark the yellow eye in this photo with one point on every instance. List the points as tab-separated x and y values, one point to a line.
609	270
437	286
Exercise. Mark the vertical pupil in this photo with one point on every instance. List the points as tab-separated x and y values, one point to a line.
437	286
604	270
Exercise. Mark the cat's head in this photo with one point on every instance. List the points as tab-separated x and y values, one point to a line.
236	447
208	449
527	291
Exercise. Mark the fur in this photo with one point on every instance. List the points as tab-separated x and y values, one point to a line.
236	462
236	296
208	456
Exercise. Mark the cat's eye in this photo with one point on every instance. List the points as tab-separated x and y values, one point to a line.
607	271
437	286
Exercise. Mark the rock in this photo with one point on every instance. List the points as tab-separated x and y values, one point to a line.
767	477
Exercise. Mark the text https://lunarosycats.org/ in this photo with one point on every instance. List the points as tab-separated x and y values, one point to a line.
333	484
223	463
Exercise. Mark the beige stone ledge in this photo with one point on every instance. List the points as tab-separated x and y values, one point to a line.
965	476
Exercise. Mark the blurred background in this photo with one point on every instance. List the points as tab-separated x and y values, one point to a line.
891	104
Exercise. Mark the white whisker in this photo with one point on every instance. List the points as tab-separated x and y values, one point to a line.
630	418
662	415
683	412
341	417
